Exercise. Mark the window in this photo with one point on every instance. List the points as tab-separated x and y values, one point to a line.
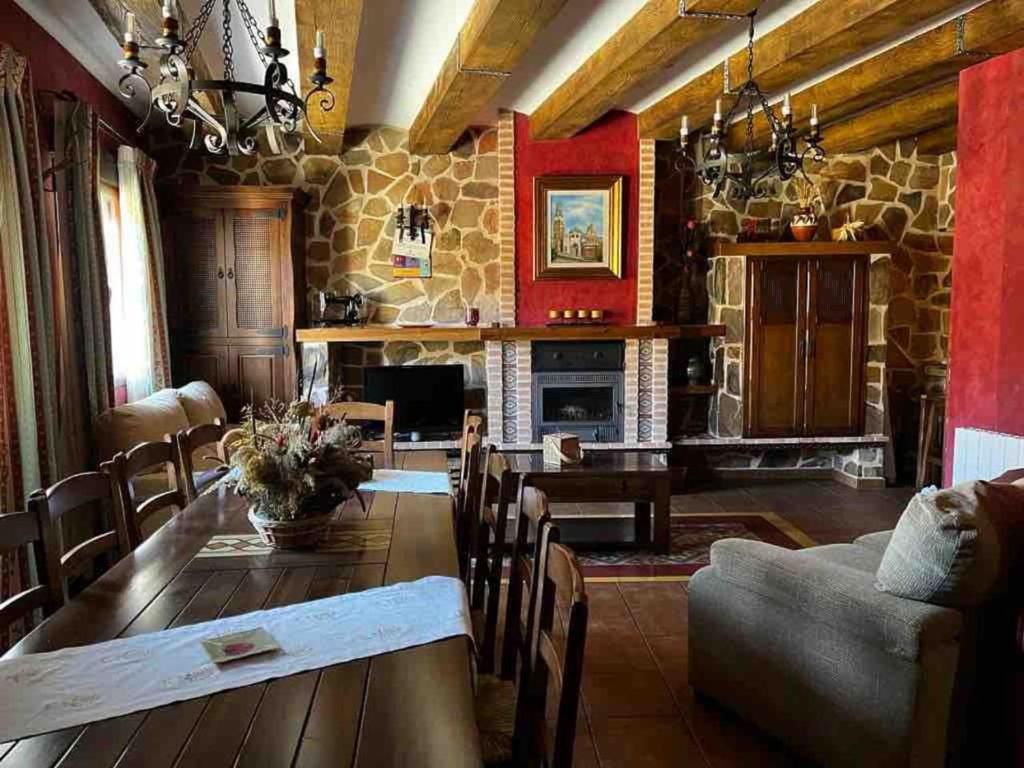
110	215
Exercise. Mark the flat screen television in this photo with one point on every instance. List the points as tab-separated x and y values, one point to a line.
429	399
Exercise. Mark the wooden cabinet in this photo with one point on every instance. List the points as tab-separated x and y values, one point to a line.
805	344
236	290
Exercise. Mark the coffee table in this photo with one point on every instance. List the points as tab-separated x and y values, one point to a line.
608	476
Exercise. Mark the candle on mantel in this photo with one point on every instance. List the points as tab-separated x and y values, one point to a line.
320	48
129	27
273	13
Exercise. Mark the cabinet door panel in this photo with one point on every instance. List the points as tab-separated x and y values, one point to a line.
775	347
254	273
835	353
199	283
258	374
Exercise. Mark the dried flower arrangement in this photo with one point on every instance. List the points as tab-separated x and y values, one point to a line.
294	462
808	195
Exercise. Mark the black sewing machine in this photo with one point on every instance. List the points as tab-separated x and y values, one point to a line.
340	310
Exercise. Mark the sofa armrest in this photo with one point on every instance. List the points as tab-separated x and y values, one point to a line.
838	596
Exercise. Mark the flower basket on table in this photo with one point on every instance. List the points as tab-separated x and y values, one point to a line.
295	465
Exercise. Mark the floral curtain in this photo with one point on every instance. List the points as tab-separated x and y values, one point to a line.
28	395
139	322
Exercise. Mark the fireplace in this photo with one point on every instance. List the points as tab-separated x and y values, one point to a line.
577	387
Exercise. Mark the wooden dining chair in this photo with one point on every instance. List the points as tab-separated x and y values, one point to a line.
80	493
467	506
32	529
498	492
472	423
188	442
125	469
532	519
370	412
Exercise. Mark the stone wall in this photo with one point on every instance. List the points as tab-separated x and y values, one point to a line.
350	229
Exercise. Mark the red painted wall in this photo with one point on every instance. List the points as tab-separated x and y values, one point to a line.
610	146
53	68
986	374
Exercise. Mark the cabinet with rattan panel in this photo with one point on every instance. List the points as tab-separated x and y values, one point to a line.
236	289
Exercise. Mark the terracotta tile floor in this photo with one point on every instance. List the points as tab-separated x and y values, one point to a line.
638	709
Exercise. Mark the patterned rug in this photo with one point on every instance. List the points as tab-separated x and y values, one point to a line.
692	536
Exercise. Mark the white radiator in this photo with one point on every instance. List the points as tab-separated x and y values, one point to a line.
982	455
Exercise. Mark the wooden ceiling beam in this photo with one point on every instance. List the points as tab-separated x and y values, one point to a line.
824	35
920	112
654	38
937	141
148	22
490	44
340	21
993	28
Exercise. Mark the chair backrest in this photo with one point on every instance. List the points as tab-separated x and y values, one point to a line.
467	504
31	529
498	493
556	659
189	441
372	412
86	489
531	522
471	425
125	467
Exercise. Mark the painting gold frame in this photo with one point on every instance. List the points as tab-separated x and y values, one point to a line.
611	265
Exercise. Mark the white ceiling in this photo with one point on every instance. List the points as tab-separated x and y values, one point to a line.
402	44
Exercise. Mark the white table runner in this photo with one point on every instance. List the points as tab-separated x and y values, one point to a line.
50	691
407	481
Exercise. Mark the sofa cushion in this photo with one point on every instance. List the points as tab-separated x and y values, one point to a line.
947	547
877	541
851	556
201	403
149	419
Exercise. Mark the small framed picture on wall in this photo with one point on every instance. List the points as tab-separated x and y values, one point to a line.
578	227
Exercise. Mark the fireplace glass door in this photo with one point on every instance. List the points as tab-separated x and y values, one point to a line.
586	404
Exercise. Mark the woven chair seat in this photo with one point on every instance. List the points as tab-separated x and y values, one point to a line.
495	717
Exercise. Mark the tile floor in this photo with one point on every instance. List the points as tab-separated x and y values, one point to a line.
638	709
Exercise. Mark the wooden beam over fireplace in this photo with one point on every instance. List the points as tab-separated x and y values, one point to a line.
933	56
651	40
937	141
824	35
487	49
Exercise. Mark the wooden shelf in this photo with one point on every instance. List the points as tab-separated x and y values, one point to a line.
693	390
378	333
813	248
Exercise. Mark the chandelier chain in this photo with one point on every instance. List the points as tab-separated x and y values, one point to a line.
228	47
195	32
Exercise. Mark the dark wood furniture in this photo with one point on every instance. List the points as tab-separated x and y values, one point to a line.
84	493
123	470
608	476
31	529
930	438
372	413
410	708
236	283
498	493
467	501
805	337
202	436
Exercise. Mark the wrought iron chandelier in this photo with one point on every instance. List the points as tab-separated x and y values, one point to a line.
748	173
176	93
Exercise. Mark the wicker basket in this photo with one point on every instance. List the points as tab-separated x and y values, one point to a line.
304	533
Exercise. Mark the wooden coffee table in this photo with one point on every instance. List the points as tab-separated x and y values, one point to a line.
608	477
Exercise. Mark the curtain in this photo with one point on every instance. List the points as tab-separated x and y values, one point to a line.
139	323
28	394
78	143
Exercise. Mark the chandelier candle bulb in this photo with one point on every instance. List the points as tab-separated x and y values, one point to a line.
170	9
129	27
814	115
272	7
320	48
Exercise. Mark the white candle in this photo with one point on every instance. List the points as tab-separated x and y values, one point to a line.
814	114
718	110
129	27
273	13
787	110
169	9
320	49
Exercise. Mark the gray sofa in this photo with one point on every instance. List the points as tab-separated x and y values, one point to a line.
804	646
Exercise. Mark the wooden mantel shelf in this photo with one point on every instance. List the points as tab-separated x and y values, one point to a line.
813	248
376	333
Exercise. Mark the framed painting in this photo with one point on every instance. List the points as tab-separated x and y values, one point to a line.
578	227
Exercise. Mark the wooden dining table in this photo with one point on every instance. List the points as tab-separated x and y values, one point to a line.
408	708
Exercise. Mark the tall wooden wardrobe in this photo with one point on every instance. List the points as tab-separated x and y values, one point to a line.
806	330
236	289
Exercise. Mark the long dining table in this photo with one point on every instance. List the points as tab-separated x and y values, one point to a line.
408	708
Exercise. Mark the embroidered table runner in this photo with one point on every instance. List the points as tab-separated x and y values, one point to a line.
407	481
51	691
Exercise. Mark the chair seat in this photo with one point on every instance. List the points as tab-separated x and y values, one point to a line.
496	717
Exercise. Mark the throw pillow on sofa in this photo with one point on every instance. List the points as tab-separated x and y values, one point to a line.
947	547
201	403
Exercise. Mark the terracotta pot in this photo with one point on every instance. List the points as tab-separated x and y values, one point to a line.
804	226
304	533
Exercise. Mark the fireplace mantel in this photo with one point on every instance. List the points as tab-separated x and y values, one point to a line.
378	333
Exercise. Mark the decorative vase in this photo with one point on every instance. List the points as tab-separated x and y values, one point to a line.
302	533
804	225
